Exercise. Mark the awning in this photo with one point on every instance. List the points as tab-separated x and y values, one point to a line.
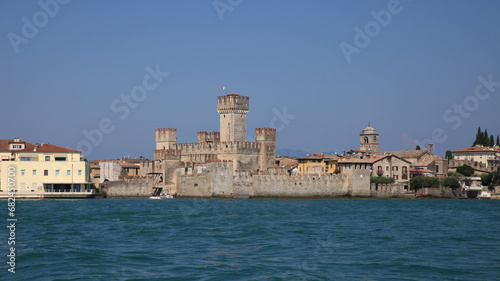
60	155
23	154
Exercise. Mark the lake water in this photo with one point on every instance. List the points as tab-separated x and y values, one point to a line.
216	239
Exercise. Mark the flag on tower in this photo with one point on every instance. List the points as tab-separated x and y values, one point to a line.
223	88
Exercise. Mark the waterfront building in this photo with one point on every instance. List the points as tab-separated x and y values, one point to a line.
318	163
479	155
419	159
387	165
102	170
43	170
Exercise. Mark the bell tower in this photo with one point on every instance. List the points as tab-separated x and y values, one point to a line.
369	140
233	110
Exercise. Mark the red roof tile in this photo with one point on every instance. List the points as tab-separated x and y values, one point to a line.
478	149
4	144
47	147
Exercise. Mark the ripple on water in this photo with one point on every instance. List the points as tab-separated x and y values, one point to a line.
200	239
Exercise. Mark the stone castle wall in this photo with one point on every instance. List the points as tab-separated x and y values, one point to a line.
128	188
218	180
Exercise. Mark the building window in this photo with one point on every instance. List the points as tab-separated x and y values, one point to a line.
23	172
437	168
47	158
60	159
17	146
34	172
366	140
45	172
79	172
25	158
68	172
387	168
57	172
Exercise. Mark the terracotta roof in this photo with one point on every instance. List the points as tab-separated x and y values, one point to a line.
478	149
367	159
4	144
47	147
318	156
408	153
422	170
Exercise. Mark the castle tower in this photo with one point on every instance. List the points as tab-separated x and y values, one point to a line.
212	137
233	119
368	140
266	136
165	138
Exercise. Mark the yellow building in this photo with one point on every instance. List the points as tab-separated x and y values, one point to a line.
42	170
317	164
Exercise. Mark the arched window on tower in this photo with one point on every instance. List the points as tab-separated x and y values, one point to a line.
366	140
375	138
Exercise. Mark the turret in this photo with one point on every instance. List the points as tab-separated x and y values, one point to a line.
266	136
233	121
212	137
165	137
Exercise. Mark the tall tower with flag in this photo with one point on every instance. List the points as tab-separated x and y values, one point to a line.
233	110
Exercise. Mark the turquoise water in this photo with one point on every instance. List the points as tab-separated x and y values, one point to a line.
216	239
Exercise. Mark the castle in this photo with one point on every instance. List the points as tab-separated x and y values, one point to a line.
225	164
228	145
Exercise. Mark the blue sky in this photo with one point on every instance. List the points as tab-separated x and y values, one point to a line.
418	70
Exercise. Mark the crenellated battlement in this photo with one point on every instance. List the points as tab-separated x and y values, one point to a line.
265	134
167	154
233	103
165	137
208	137
220	147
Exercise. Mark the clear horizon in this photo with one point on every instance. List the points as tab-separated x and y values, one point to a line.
319	72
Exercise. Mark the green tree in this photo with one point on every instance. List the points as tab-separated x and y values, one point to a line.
492	141
498	141
381	180
478	137
450	182
431	182
417	182
465	170
486	179
486	138
448	155
418	147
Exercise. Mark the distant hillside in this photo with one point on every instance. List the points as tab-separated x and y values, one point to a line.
292	152
299	153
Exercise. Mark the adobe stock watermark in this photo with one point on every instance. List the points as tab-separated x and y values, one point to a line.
49	9
223	6
281	117
363	37
458	112
122	107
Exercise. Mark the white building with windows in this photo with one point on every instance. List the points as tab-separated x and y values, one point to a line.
43	170
485	156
